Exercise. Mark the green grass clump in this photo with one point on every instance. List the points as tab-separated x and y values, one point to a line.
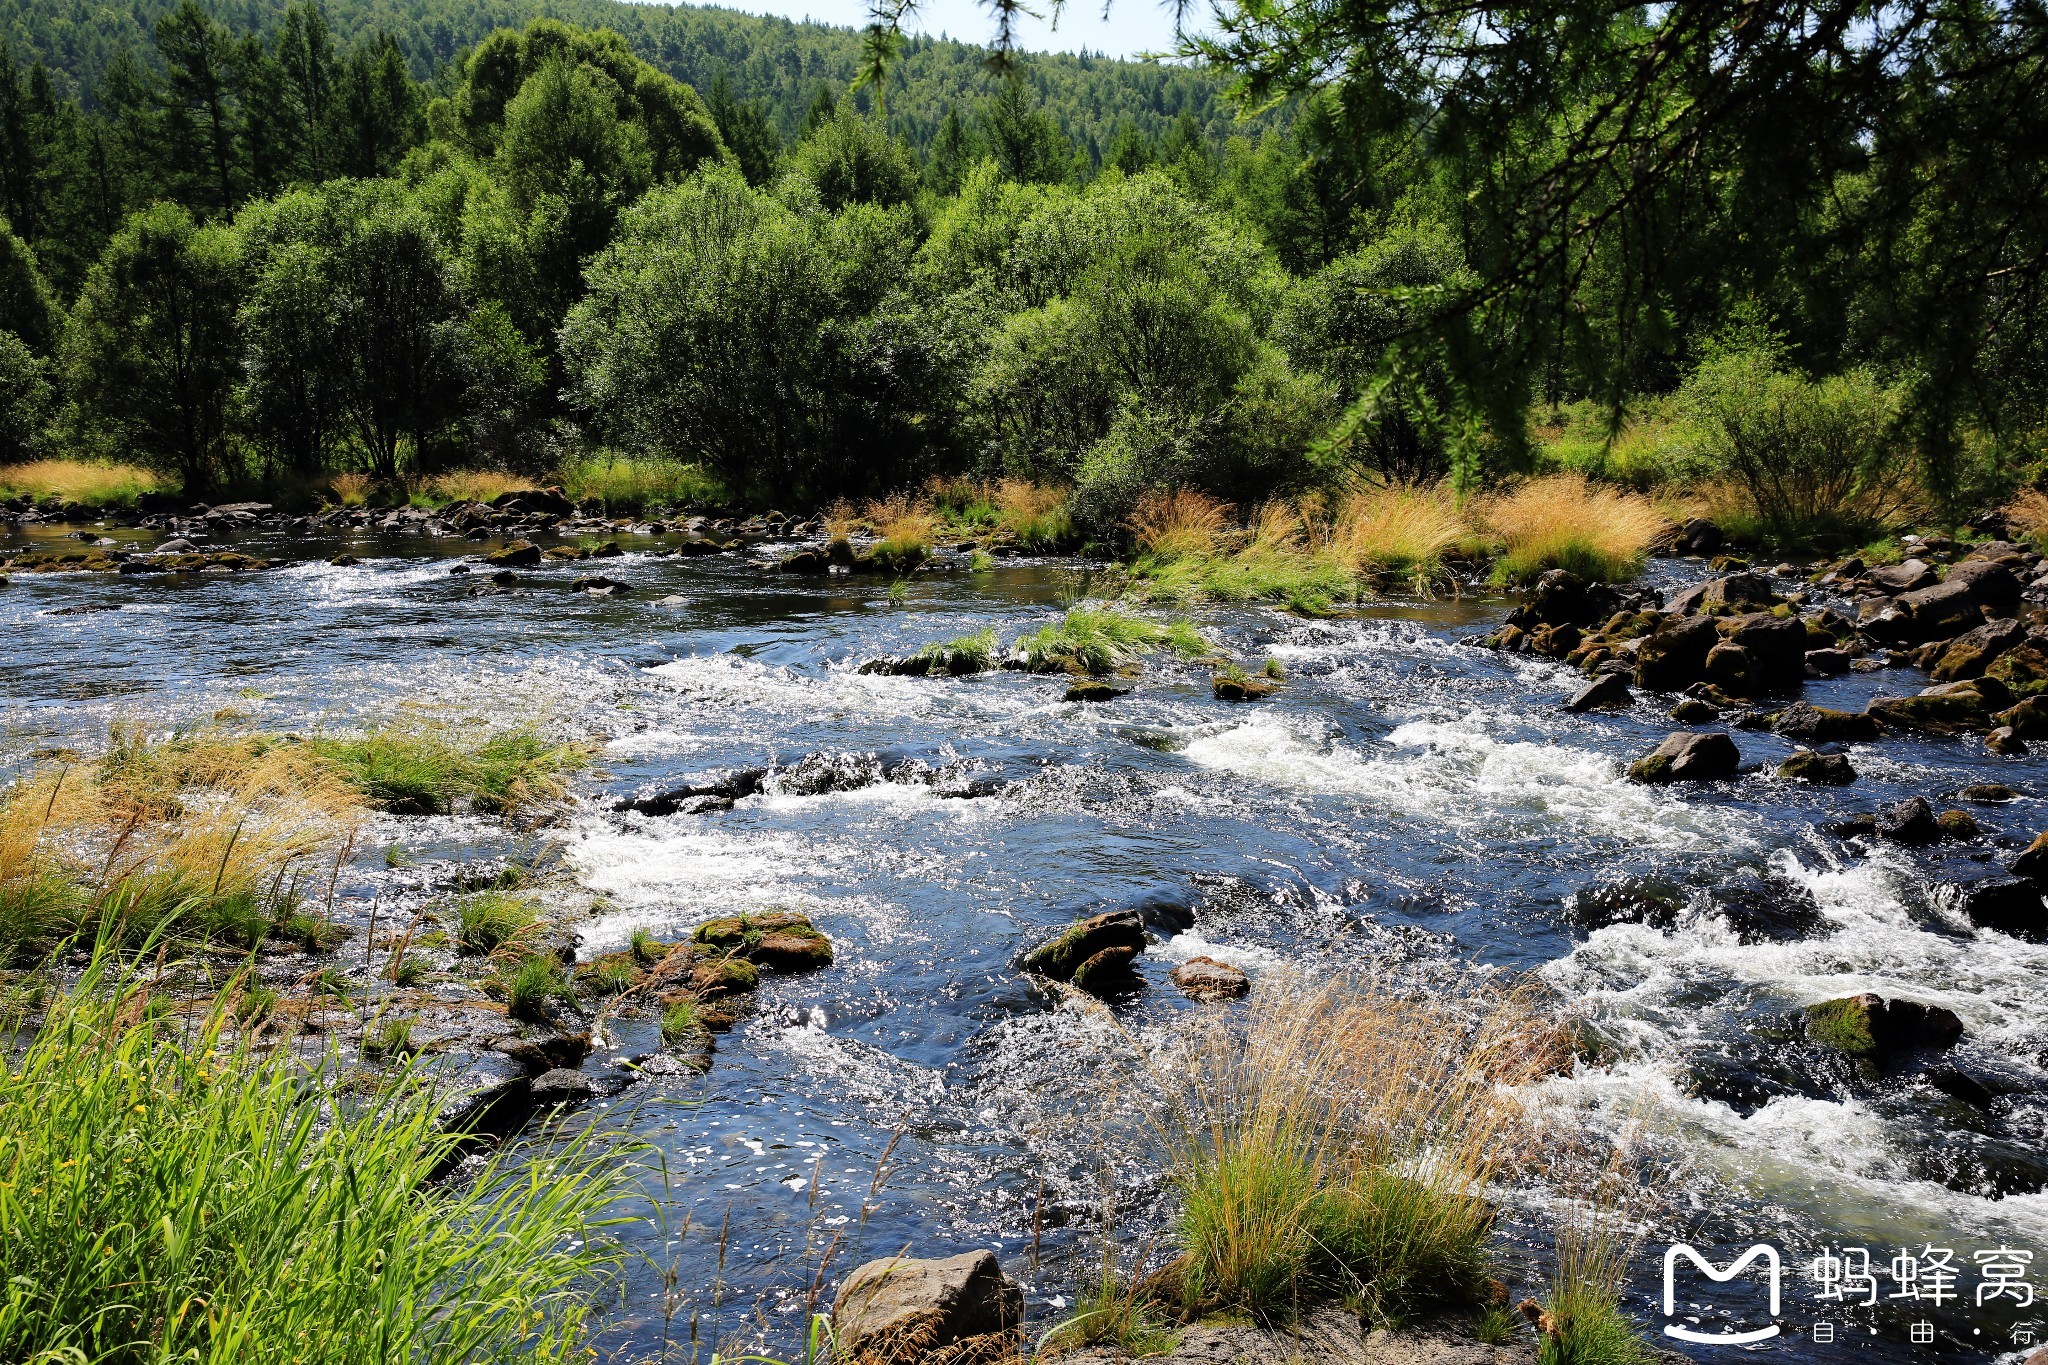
612	978
389	1037
427	770
680	1023
626	484
1582	1320
254	1004
976	653
1098	642
1306	584
488	920
409	969
537	980
177	1196
645	947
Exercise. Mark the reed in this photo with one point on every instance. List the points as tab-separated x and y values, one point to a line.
175	1194
351	489
1340	1141
472	485
1581	1320
1036	516
93	485
1181	524
1564	521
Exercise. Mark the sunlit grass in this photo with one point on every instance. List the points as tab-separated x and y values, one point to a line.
1564	521
93	485
629	484
473	485
904	528
1102	641
174	1195
1401	529
351	489
418	768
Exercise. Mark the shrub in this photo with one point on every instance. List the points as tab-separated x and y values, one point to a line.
1562	521
1823	462
97	486
1102	641
488	920
188	1191
351	489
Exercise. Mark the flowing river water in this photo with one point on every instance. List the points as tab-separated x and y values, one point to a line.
1407	799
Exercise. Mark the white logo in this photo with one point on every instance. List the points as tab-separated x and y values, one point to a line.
1760	1252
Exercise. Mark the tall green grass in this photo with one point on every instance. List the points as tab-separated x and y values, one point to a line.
100	487
169	1195
433	770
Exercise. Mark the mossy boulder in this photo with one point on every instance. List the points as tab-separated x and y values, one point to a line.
1674	656
1230	687
1106	968
1805	765
1948	709
1823	724
2023	669
1094	690
519	554
715	977
1689	757
1871	1028
1063	958
779	941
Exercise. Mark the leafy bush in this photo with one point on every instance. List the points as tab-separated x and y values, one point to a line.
1823	461
190	1192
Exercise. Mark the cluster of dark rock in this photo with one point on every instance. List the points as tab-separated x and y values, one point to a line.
1098	955
815	774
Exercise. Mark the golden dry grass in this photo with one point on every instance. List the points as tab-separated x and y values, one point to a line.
2028	513
1565	521
903	524
1341	1139
1399	528
227	833
351	489
77	481
1181	523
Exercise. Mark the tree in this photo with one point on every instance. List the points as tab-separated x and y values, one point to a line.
1022	137
26	399
852	160
200	123
149	352
26	309
747	131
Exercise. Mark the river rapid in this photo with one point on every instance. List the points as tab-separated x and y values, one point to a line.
1407	801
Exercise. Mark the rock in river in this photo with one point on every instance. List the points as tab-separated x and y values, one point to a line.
1608	691
1805	765
1869	1026
1204	978
1120	933
962	1310
1689	757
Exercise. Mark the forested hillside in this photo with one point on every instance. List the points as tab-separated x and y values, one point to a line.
775	61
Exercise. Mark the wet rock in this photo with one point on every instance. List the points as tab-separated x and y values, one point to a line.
176	545
548	500
547	1051
722	977
1764	906
1689	756
1945	709
1872	1028
822	773
1910	822
2009	905
561	1087
2026	718
805	562
1827	663
1936	613
1695	711
1228	687
1987	793
1206	979
1638	900
1958	825
2005	742
1106	968
1091	690
519	554
2023	669
1610	691
597	585
1774	649
1974	651
1805	765
1674	655
1823	725
1562	598
698	797
344	561
1061	958
962	1310
1738	593
780	941
2033	862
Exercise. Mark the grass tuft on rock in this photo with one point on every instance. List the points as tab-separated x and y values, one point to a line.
1097	642
488	920
178	1195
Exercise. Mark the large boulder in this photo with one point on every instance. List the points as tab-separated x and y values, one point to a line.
1776	647
519	554
1990	584
1805	765
1936	613
2027	719
2022	670
1911	822
1562	598
1969	654
1673	657
1910	576
2009	905
1609	691
1689	757
1945	709
961	1310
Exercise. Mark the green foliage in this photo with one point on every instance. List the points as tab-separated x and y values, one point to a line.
1824	462
213	1173
645	947
488	920
680	1026
27	400
851	159
536	981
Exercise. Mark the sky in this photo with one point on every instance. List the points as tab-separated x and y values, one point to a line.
1133	27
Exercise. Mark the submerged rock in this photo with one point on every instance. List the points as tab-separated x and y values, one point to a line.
1206	979
962	1310
1689	757
562	1086
1610	691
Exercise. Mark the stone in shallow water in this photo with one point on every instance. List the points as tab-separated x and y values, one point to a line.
1805	765
1689	757
1205	978
960	1309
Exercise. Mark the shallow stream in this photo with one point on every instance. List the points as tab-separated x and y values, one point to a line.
1405	799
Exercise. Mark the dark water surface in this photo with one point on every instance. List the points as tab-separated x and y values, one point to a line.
1407	798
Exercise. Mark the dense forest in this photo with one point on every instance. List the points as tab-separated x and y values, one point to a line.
270	246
